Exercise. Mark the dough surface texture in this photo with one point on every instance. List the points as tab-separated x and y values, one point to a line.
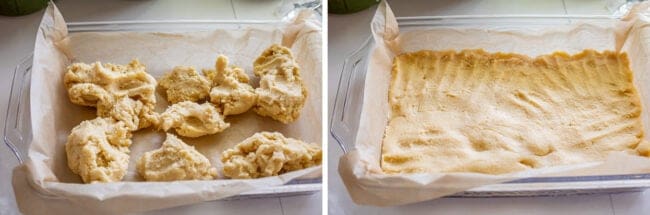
107	86
183	83
282	93
268	154
175	160
495	113
98	150
191	119
230	91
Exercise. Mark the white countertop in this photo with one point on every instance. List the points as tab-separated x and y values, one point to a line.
17	36
347	32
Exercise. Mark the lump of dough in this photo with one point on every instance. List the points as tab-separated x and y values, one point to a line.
175	160
97	150
184	84
281	94
231	91
134	113
191	119
268	154
115	80
106	85
88	94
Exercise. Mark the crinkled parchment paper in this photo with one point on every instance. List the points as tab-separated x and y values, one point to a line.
360	169
53	115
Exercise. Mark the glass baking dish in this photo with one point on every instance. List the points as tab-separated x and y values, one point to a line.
17	127
344	121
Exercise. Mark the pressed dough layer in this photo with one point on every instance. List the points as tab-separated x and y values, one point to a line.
494	113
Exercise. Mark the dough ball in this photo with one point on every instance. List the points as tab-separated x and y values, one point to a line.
108	86
231	91
134	113
184	84
175	160
97	150
268	154
191	119
281	94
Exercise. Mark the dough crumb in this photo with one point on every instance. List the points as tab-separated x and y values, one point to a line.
98	150
183	83
231	91
268	154
175	160
191	119
281	94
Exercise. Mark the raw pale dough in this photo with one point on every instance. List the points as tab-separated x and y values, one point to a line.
281	94
191	119
231	91
268	154
134	113
184	84
175	160
98	150
495	113
110	85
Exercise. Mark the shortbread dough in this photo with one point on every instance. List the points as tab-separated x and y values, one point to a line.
175	160
98	150
184	84
231	91
134	113
494	113
281	94
106	86
268	154
191	119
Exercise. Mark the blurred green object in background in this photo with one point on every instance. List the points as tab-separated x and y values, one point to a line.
21	7
349	6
